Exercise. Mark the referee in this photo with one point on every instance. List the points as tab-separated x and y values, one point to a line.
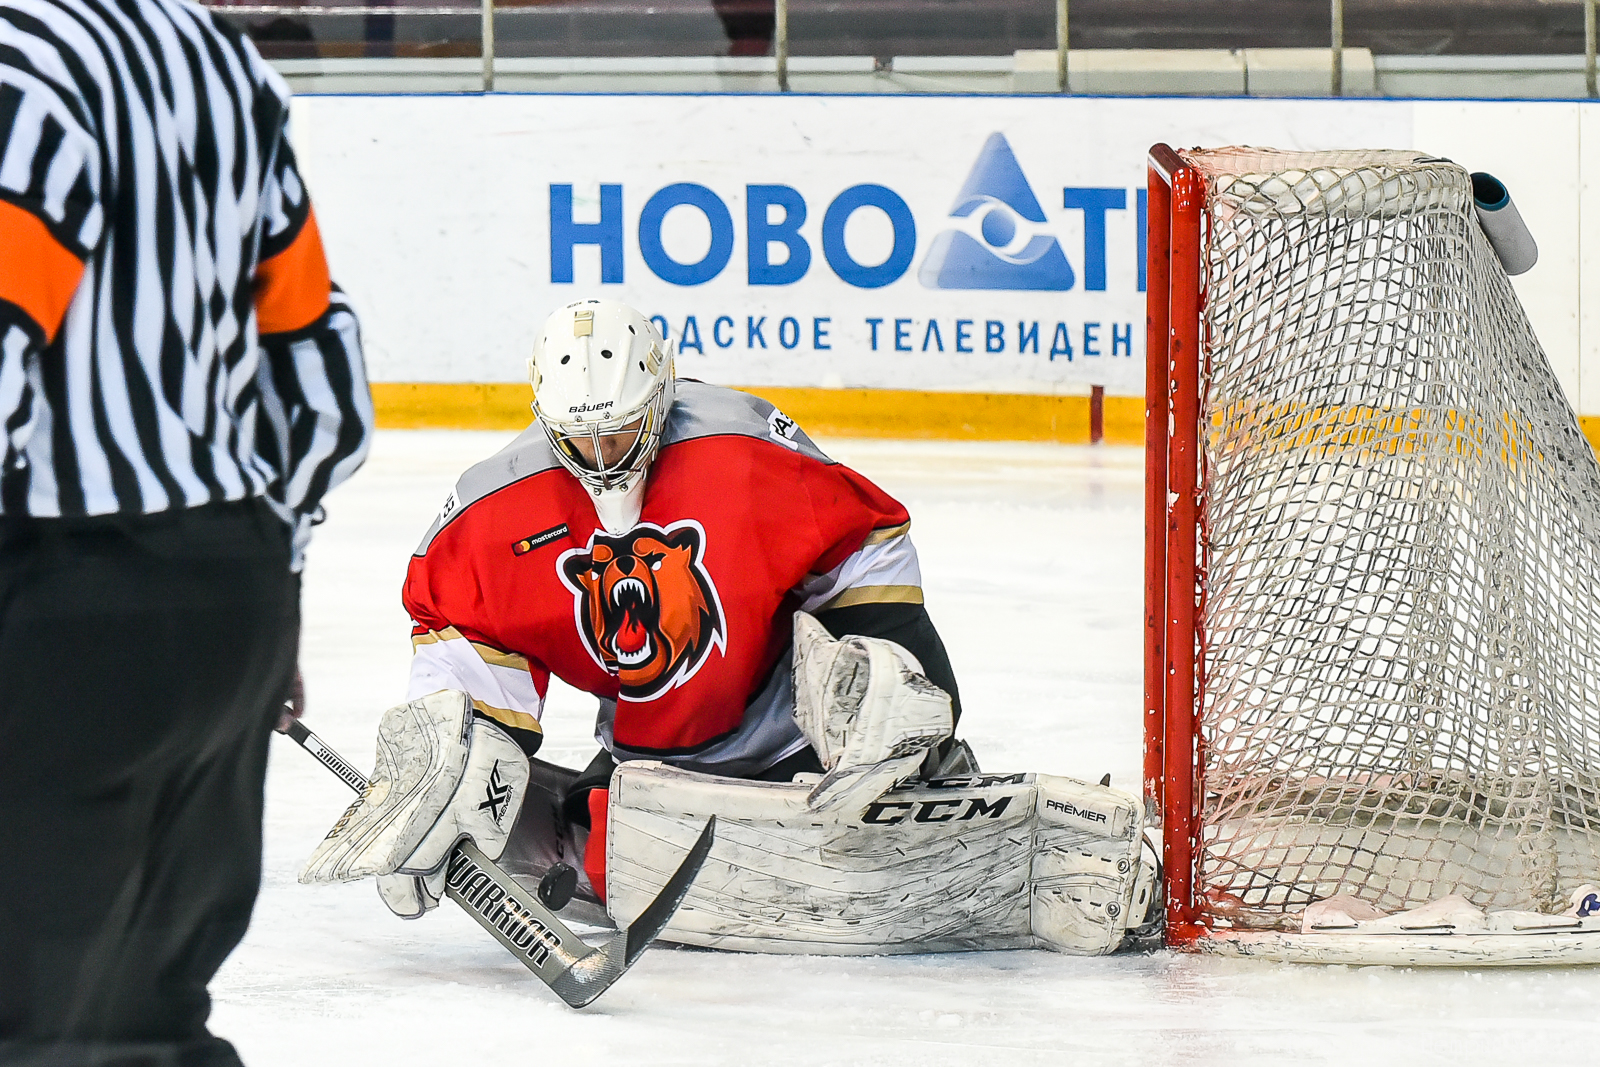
180	384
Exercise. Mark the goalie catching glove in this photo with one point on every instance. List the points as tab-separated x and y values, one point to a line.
442	775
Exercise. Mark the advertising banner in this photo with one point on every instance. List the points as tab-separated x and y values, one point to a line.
952	243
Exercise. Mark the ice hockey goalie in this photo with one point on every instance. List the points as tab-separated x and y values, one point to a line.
649	540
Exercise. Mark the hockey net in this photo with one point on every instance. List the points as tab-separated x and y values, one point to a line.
1373	658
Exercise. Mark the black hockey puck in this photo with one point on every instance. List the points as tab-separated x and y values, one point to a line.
557	886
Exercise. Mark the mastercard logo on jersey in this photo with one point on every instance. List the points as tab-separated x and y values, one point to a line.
645	606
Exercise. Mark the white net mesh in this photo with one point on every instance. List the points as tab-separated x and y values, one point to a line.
1401	618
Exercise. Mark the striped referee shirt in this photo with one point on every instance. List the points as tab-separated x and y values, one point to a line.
169	335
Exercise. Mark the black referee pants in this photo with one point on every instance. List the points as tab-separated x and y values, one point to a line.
143	663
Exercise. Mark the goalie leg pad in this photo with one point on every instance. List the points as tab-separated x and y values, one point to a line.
441	775
986	862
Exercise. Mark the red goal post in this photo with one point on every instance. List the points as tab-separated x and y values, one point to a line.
1172	368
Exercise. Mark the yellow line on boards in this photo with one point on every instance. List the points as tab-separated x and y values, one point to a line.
907	413
452	405
902	413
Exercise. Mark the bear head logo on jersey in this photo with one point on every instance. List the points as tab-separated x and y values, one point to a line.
645	606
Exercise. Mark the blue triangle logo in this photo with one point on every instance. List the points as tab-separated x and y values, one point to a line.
1007	257
996	176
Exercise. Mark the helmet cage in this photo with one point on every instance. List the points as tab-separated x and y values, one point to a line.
641	450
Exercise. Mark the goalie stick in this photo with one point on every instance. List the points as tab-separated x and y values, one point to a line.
576	971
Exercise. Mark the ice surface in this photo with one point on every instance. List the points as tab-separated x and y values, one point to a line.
1032	560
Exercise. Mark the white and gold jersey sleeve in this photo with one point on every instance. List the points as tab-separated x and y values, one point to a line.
500	684
884	570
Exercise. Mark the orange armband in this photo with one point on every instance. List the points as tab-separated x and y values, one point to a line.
292	288
37	272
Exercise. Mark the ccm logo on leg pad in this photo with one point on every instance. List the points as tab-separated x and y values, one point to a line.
891	812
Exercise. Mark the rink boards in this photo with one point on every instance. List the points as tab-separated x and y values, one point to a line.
927	244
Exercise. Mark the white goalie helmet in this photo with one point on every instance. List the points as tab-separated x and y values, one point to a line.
602	376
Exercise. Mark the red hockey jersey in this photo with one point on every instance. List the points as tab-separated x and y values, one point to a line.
681	625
